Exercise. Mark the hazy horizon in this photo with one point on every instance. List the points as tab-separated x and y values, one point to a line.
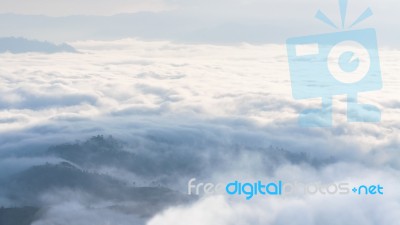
224	22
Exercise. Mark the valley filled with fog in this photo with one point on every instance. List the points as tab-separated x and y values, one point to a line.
112	133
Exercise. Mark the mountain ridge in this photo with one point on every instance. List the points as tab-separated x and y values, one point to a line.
17	45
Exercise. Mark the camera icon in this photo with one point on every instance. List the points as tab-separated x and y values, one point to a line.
322	66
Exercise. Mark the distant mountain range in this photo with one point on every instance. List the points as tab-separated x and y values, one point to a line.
170	25
167	25
149	176
18	215
26	188
22	45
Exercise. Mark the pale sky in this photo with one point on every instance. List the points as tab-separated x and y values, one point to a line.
284	11
109	7
252	19
80	7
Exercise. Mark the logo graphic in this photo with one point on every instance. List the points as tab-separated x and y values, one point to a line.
345	62
279	188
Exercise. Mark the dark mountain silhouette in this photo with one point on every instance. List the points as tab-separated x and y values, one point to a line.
107	151
21	45
96	151
77	174
73	178
27	186
18	216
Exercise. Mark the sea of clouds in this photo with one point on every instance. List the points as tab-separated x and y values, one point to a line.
219	111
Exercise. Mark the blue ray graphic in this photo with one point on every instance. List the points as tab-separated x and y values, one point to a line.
367	13
343	11
321	16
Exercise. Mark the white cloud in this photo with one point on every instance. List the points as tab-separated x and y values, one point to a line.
128	82
184	104
299	209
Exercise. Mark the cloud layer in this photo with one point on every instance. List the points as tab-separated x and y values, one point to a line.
217	112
